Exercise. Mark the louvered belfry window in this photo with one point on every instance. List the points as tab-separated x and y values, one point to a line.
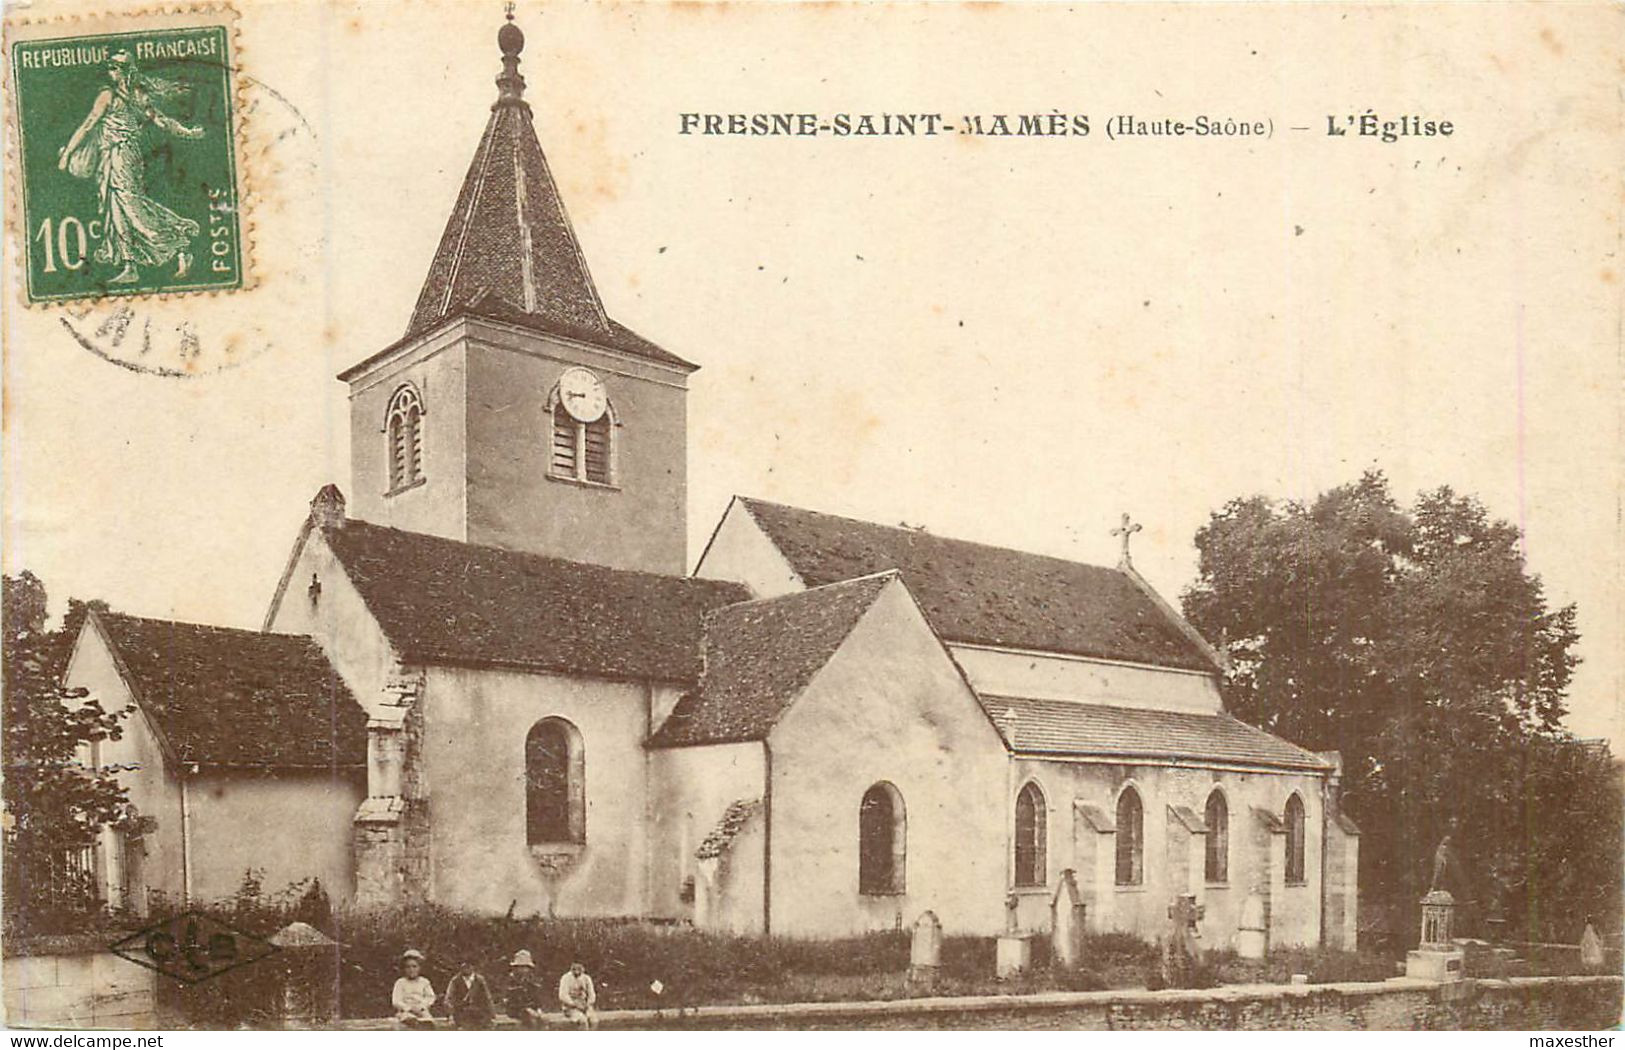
404	431
582	451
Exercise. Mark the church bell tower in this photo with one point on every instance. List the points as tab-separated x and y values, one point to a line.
514	411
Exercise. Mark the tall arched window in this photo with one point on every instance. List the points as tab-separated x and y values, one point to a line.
583	451
555	784
882	840
1294	839
1032	866
1130	839
1217	817
404	429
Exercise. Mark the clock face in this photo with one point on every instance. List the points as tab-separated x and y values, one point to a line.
583	395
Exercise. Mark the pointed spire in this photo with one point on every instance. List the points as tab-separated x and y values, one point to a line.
509	242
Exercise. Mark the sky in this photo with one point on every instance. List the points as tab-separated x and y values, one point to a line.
1012	340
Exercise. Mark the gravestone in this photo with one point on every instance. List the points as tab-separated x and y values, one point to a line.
1591	956
1014	949
305	989
1066	923
925	949
1184	939
1252	939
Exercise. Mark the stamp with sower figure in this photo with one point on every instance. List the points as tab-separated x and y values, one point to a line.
127	155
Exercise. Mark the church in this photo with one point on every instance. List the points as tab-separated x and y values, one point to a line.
489	679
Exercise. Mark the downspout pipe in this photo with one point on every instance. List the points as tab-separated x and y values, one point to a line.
767	838
187	772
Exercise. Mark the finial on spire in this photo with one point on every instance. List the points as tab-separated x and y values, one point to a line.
1126	531
511	41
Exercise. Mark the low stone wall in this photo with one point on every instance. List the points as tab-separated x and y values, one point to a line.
80	990
1516	1004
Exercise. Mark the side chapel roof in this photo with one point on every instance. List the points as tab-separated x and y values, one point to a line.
760	655
227	697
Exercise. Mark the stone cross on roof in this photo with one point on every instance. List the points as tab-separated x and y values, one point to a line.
1126	531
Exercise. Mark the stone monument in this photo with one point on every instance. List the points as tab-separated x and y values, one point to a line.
925	950
1066	911
1183	941
1014	948
1436	957
305	991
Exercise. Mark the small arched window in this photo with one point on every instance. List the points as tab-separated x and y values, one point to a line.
882	840
1032	819
403	427
582	451
1217	817
555	784
1294	839
1130	839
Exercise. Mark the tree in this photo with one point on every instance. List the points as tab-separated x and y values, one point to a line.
55	801
1413	640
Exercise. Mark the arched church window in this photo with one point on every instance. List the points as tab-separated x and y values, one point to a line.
583	430
555	784
403	427
882	840
1130	839
1032	820
1217	817
1294	839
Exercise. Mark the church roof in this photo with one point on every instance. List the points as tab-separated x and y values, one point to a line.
441	601
508	251
759	656
980	594
227	697
1063	727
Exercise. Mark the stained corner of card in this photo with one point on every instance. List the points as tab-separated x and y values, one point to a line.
127	173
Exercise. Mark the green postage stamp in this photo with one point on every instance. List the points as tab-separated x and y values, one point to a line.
126	155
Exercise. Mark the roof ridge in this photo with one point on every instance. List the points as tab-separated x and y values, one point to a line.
867	578
983	544
531	555
106	614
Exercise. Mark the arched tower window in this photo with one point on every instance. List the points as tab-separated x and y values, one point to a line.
1294	839
555	784
403	427
1217	817
581	451
882	840
1032	838
1130	839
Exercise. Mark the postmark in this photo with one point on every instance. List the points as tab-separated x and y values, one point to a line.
127	166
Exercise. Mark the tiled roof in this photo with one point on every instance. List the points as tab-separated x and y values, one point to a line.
442	601
759	656
222	696
1062	727
979	594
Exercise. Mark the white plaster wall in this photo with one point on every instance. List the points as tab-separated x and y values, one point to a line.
1143	910
289	825
338	620
1041	676
151	785
889	705
474	726
439	370
691	788
740	552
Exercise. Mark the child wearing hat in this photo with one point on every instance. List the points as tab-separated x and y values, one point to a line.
413	996
524	999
